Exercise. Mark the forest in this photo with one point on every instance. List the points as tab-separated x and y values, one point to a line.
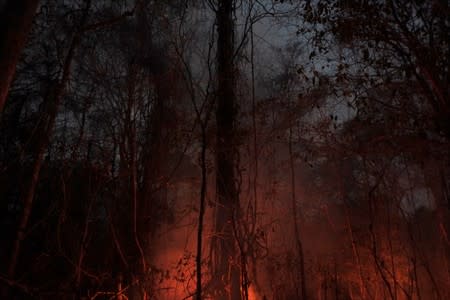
225	149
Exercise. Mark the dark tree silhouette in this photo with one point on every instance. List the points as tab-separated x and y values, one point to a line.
16	19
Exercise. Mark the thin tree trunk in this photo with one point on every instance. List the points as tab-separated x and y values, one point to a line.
226	273
356	256
298	239
201	215
134	198
254	267
16	20
84	243
130	123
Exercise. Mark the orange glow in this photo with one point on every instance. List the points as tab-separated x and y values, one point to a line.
253	294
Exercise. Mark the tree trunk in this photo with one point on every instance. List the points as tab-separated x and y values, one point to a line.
297	237
201	215
226	269
16	19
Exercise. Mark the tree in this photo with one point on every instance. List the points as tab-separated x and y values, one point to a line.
226	268
16	19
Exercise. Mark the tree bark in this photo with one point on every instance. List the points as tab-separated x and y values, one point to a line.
16	19
201	214
298	239
226	269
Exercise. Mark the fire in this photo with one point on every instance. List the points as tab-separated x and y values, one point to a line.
253	294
